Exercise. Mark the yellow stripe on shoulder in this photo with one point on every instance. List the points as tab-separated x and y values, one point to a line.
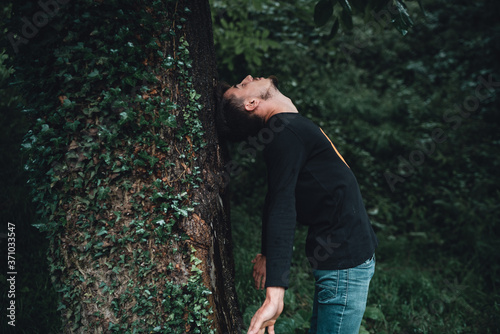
340	156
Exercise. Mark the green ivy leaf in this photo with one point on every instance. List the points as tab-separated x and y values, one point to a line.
93	74
101	232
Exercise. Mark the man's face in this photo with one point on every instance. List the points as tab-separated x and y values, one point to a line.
251	87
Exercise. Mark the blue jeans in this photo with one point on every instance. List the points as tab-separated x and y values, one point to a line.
340	299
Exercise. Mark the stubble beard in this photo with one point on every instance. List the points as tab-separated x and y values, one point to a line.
270	91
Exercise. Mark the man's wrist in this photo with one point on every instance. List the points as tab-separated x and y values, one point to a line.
275	293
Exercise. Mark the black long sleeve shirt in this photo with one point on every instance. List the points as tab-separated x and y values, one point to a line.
309	182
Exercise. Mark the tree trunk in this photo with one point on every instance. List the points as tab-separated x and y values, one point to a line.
213	191
126	164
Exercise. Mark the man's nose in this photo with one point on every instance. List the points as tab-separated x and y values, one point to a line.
248	78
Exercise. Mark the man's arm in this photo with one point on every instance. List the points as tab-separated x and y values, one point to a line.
285	156
266	315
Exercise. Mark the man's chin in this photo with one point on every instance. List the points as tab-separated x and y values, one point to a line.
274	81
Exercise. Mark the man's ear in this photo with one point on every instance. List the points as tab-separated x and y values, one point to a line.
251	104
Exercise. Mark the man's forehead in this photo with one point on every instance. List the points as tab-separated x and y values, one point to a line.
231	91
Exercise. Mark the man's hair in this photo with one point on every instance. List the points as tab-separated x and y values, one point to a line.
234	122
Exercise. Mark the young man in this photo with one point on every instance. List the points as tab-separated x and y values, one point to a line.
308	182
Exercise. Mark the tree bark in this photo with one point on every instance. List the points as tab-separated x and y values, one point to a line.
126	165
213	159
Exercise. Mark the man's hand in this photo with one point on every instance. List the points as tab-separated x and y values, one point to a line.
259	271
266	315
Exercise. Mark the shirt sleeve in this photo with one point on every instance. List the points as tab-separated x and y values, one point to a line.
284	156
263	248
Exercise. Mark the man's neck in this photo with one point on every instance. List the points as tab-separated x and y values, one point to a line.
280	104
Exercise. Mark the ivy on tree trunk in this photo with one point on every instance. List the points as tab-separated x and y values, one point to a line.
126	164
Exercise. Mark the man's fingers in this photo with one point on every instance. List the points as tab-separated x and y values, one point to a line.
262	282
255	323
256	278
265	317
258	323
256	258
259	271
254	326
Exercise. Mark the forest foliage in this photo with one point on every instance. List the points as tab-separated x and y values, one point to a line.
416	117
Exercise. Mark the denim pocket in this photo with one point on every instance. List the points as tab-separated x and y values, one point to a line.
327	282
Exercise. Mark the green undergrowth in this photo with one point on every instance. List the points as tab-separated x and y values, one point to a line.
417	287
